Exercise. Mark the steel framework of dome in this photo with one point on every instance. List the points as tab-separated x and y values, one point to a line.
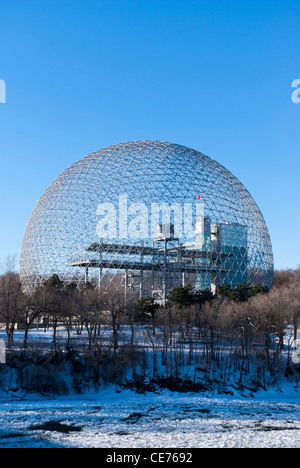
157	214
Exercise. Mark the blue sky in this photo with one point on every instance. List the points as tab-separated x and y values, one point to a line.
212	75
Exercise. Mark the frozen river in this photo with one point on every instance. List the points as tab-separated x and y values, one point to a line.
167	420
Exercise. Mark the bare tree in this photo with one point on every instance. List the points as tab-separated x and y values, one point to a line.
293	296
283	278
33	307
114	302
88	309
11	298
270	316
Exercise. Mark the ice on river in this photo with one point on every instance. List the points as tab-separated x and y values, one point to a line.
126	419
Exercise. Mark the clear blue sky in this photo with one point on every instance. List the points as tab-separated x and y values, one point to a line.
212	75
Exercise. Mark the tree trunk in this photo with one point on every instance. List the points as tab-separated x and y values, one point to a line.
54	331
25	336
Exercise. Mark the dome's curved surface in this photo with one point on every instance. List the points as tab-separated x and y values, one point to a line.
99	216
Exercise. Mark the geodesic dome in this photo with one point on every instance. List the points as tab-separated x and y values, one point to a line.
158	214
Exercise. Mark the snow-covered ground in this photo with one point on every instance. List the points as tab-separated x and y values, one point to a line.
108	419
111	419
